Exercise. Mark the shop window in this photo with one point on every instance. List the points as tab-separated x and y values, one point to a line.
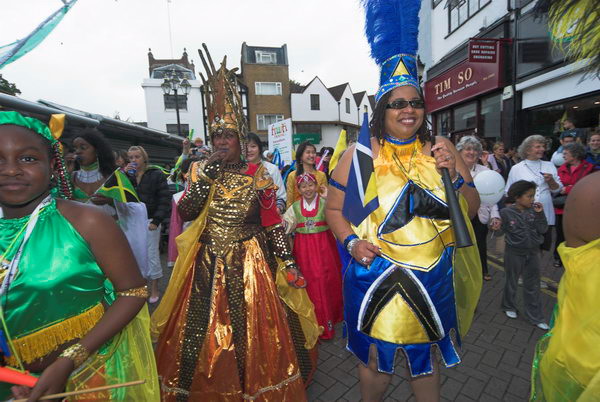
443	123
460	11
308	128
465	117
491	111
585	113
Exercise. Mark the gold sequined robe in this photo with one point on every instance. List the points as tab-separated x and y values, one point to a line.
230	328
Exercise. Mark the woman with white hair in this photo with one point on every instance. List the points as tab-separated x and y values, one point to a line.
544	174
470	149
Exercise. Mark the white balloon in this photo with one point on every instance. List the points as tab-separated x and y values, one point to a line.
490	186
558	159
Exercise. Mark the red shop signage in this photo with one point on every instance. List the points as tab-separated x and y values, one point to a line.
464	81
483	51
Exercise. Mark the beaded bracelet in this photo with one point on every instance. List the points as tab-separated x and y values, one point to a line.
77	353
458	183
142	292
348	239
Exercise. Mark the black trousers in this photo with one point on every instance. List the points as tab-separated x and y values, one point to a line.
481	232
560	235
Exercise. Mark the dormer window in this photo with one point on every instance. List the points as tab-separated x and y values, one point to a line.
265	57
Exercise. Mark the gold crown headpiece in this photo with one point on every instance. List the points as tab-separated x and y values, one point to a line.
222	97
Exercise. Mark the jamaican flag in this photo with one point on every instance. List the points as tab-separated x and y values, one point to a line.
118	187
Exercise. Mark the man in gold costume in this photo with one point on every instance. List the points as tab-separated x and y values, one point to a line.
235	323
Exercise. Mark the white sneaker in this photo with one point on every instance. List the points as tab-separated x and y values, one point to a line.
520	281
542	325
511	314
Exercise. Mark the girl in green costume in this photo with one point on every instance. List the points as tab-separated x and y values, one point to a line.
63	319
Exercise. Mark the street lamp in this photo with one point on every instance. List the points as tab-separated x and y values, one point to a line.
172	83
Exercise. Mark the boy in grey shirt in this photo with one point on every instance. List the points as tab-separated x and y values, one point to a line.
524	225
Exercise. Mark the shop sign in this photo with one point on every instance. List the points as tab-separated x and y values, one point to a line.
483	51
280	137
462	82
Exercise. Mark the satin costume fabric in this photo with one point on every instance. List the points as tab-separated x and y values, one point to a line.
229	327
57	296
567	362
315	252
422	291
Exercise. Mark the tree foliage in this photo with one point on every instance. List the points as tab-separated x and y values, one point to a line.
8	87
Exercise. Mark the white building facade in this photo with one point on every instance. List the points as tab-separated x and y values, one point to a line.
493	70
161	108
320	113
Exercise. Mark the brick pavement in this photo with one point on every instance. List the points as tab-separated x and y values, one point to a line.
497	352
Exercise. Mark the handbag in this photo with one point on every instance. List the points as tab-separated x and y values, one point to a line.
559	200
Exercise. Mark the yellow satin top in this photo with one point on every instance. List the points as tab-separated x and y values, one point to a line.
420	243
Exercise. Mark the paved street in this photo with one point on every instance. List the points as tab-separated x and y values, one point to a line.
497	353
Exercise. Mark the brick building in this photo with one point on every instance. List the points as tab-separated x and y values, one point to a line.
265	74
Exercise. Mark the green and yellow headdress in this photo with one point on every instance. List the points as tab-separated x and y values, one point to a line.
52	133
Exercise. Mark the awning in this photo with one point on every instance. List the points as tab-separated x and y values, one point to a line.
313	138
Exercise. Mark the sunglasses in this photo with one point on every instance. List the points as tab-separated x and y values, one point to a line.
401	104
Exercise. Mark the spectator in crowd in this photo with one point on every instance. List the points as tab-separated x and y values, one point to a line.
176	223
566	137
97	162
470	150
513	155
542	173
499	161
121	159
325	154
254	155
593	149
578	133
573	170
524	225
153	191
268	156
305	163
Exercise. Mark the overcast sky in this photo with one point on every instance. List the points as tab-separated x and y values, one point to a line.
96	58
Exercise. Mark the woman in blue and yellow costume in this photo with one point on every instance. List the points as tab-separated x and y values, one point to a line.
72	298
567	362
235	323
407	287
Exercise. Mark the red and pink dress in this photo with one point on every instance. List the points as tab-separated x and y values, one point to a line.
316	255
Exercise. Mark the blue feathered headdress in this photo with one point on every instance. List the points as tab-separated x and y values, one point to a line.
392	29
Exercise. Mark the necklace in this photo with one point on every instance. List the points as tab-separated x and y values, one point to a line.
538	177
398	141
87	175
